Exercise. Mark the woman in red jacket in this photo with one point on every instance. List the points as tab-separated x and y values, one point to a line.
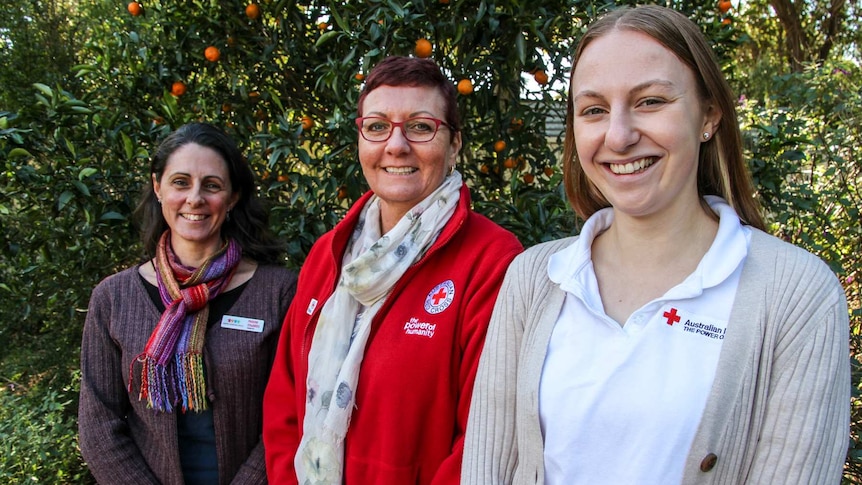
376	360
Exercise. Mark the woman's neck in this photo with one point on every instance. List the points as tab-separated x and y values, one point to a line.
637	261
194	255
659	241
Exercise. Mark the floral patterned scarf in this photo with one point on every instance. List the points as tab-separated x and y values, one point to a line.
172	361
372	265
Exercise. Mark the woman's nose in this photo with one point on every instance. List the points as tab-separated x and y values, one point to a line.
397	142
622	132
195	197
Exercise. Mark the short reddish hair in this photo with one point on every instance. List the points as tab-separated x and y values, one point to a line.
414	72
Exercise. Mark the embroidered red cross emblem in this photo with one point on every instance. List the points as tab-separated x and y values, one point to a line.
671	316
440	295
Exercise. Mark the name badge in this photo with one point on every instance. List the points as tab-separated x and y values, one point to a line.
311	306
242	323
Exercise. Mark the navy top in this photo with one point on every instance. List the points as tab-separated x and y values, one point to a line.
195	430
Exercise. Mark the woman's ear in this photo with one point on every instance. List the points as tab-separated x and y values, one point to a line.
712	119
234	200
455	148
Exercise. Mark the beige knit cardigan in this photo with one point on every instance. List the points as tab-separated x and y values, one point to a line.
778	411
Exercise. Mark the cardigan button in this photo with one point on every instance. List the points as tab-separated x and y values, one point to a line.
708	462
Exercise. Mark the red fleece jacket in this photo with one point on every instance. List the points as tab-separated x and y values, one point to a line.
417	375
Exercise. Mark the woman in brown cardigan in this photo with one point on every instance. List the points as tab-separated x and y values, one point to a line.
177	350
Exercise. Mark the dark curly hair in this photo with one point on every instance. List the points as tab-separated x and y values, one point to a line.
248	223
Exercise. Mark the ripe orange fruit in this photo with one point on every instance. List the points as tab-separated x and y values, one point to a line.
465	86
225	108
307	123
444	2
549	171
342	192
423	48
231	41
359	76
726	21
252	11
135	8
282	178
254	96
510	163
724	6
178	88
499	146
528	178
212	53
484	168
322	26
541	77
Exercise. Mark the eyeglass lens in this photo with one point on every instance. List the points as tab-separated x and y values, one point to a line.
414	129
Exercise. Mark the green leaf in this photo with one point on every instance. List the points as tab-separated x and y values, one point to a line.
44	89
339	20
19	152
86	172
521	48
325	37
81	187
70	146
43	100
127	145
113	216
64	199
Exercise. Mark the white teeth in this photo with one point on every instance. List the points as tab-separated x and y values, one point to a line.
400	170
194	217
629	168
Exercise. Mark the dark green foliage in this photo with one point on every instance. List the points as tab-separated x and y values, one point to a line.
78	123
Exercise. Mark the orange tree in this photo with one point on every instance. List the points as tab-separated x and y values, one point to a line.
283	78
286	77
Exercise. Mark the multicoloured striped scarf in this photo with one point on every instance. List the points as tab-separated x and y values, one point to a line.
172	370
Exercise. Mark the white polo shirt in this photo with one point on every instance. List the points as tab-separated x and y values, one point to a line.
621	404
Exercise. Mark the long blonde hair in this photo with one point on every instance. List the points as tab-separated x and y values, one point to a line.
721	170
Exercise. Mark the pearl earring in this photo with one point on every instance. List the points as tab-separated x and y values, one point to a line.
706	135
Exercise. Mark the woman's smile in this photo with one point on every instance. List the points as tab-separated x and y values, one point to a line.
402	172
632	167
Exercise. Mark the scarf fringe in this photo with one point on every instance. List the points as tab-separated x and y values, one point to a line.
179	382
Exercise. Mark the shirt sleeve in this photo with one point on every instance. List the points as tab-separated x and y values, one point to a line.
281	432
476	317
104	435
804	436
490	448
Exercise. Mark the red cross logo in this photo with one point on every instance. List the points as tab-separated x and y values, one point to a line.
671	316
440	297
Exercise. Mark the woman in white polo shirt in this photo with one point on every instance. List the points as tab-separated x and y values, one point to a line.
672	341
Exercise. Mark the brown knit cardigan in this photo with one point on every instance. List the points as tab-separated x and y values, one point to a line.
121	440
